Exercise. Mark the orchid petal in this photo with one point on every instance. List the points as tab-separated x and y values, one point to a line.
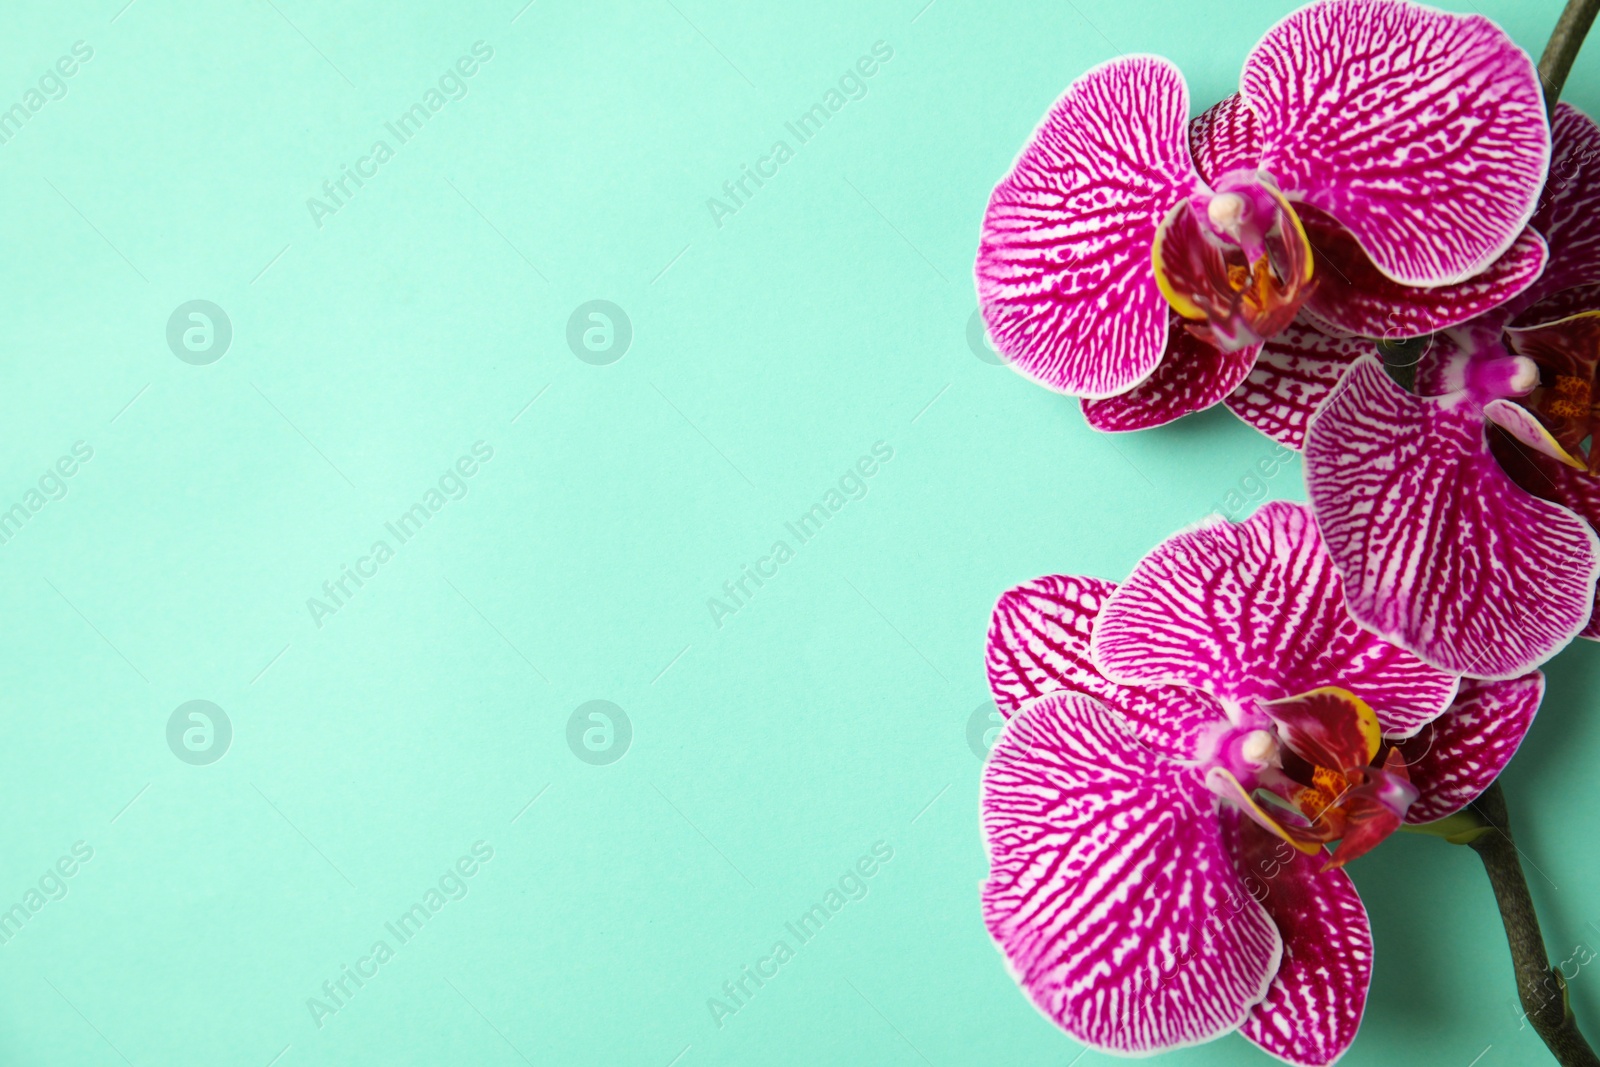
1039	644
1353	295
1313	1010
1192	376
1039	639
1457	756
1520	423
1064	264
1569	209
1423	132
1109	891
1560	305
1444	364
1559	483
1439	550
1225	137
1292	377
1254	611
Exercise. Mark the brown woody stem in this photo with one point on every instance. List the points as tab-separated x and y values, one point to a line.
1567	38
1540	987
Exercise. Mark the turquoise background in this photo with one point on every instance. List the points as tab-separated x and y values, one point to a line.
769	353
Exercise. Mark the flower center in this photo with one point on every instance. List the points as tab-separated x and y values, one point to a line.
1564	354
1310	772
1236	261
1570	397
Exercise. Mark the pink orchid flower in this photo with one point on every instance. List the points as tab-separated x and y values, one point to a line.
1141	261
1463	518
1178	751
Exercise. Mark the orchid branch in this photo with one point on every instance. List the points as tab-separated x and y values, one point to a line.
1541	988
1567	38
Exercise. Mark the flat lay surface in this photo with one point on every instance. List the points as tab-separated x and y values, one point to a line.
499	512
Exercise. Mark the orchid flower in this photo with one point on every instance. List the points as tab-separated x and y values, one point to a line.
1463	519
1178	751
1141	261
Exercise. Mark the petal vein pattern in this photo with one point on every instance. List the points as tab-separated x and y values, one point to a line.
1064	262
1440	551
1039	644
1255	611
1110	893
1423	132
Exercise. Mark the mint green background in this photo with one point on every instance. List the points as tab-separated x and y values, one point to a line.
827	714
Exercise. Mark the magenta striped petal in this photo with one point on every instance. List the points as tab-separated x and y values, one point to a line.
1192	376
1560	305
1557	482
1421	131
1457	756
1255	611
1439	550
1039	644
1355	297
1569	209
1064	262
1442	367
1314	1007
1110	894
1224	137
1039	639
1292	377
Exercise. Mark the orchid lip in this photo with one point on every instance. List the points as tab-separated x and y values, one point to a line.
1315	772
1235	261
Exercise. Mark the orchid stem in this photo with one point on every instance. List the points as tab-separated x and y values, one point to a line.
1565	40
1540	987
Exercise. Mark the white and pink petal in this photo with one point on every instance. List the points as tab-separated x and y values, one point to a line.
1421	131
1313	1010
1551	480
1225	137
1193	375
1439	550
1293	375
1110	893
1459	754
1355	297
1569	208
1039	644
1064	271
1254	611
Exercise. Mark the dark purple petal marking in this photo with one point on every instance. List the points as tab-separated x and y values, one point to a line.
1458	755
1292	377
1255	611
1110	894
1064	262
1314	1007
1193	376
1225	137
1039	643
1440	551
1421	131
